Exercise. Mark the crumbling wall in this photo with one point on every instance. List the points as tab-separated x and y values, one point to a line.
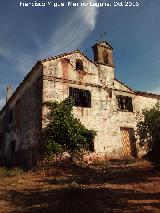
24	126
143	102
103	116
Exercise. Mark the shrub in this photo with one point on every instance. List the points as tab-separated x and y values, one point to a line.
148	131
64	133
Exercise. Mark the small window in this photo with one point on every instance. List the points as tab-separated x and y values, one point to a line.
125	103
105	57
79	64
81	97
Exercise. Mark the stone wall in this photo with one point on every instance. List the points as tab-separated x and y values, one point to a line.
50	80
104	115
23	127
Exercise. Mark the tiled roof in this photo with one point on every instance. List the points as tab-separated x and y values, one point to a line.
141	93
66	54
148	94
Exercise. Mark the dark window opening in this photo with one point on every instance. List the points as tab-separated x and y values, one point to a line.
125	103
81	97
105	57
11	116
79	64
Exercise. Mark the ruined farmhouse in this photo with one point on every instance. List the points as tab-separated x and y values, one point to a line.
102	103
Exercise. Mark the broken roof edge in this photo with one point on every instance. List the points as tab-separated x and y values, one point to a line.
99	42
59	56
37	63
124	84
140	93
148	94
66	54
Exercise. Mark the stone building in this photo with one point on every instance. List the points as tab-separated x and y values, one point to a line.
102	103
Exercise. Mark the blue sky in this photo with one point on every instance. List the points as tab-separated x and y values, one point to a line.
28	34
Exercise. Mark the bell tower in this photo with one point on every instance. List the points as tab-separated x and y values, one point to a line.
103	53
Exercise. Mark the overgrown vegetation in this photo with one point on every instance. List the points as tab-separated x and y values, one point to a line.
149	133
64	133
6	172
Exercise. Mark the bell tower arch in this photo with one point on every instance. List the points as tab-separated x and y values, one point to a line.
103	53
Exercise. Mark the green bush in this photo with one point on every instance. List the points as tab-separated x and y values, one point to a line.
64	133
148	132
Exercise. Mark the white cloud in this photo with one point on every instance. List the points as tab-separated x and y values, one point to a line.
72	31
89	15
70	34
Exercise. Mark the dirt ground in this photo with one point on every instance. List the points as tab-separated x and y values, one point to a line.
116	186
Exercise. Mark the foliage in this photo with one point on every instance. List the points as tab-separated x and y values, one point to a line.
45	164
148	131
5	172
64	133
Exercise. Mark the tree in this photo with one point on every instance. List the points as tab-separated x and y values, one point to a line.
64	133
148	131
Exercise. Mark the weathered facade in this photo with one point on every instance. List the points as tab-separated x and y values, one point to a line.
102	103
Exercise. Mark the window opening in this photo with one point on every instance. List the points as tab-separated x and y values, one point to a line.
81	97
79	64
125	103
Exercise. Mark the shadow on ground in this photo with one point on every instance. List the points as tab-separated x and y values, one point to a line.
114	173
89	190
81	200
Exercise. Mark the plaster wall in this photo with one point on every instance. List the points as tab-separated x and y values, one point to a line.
103	116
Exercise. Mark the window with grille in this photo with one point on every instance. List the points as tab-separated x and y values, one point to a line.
125	103
81	97
79	64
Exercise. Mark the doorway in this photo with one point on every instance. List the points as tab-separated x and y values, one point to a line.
128	142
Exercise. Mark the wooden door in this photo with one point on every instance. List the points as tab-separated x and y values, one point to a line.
128	142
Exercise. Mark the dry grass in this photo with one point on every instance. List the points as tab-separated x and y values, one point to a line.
114	186
6	172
